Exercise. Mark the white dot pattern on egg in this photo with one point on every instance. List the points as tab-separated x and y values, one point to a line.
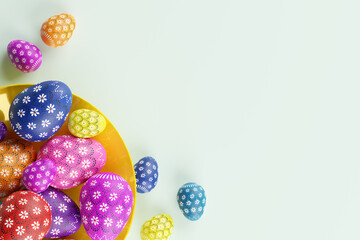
38	176
106	202
66	219
39	111
192	200
146	173
24	56
76	159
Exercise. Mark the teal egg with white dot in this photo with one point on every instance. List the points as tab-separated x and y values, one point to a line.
192	200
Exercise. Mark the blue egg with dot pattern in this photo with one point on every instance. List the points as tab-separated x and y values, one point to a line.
39	111
146	173
192	200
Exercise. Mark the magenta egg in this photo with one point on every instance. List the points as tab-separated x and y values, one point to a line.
38	176
76	159
106	202
24	56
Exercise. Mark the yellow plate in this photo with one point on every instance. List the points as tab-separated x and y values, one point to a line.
118	158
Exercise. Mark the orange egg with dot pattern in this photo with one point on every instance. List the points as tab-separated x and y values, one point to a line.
15	156
57	30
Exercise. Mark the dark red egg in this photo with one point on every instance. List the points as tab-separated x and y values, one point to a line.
24	215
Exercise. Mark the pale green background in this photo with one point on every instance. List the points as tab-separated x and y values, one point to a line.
258	101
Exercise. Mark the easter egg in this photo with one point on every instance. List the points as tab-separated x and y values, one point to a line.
38	112
84	123
15	156
146	173
24	215
65	213
58	29
106	202
24	56
76	159
38	176
3	131
192	200
159	227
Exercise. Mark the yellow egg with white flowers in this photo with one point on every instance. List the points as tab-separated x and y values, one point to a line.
84	123
158	227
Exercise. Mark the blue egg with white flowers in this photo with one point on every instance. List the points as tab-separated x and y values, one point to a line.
192	200
39	111
146	173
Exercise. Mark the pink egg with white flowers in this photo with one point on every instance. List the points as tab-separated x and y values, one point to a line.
76	159
106	202
24	56
38	176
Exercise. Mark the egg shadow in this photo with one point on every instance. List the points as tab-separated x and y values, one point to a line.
182	177
8	70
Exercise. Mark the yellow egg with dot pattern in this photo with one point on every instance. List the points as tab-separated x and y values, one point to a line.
158	227
84	123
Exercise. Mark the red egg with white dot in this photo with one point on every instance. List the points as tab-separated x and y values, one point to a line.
24	215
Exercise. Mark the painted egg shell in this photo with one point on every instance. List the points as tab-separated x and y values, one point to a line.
192	200
38	112
65	213
76	159
15	156
24	56
3	131
146	173
25	215
159	227
106	201
58	29
84	123
38	176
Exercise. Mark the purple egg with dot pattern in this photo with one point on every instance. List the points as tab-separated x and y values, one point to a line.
3	131
65	214
106	202
38	176
24	56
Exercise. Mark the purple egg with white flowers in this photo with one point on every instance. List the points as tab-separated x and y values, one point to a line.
38	176
24	56
146	173
3	131
65	214
106	202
